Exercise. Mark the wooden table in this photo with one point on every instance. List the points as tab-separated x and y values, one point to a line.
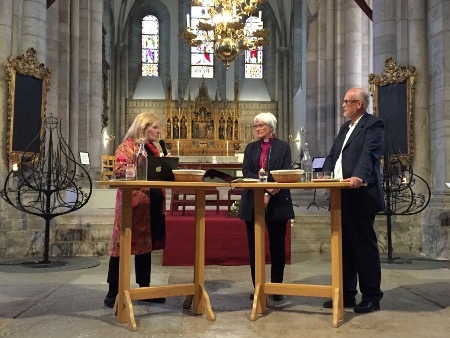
263	288
196	290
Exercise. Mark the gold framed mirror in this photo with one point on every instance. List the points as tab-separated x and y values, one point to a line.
393	97
29	82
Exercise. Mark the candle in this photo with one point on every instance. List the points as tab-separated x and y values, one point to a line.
178	147
227	148
260	15
15	167
188	22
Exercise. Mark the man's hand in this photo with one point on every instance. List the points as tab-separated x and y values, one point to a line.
355	182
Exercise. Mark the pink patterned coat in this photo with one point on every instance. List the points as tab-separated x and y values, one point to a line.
141	241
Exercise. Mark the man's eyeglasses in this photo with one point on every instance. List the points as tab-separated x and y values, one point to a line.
259	126
347	102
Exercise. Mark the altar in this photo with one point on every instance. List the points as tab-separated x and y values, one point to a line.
202	127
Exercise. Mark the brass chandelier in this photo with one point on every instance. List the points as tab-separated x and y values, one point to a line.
223	28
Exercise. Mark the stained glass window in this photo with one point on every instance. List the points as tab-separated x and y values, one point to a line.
150	46
253	57
202	56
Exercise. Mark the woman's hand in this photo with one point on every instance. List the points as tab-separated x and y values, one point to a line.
273	191
266	199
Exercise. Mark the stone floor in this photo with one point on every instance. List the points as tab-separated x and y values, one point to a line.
68	302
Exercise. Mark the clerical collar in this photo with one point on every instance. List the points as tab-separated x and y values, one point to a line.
269	140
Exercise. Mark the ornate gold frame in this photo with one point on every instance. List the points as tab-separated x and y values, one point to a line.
28	66
394	74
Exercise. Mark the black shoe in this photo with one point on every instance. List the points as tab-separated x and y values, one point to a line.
347	303
277	298
366	306
155	300
109	301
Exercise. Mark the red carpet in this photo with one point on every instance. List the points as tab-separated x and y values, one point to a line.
225	240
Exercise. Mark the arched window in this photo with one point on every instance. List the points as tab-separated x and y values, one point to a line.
202	56
150	46
253	57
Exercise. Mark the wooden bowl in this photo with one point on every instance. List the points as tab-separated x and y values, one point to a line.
287	176
188	175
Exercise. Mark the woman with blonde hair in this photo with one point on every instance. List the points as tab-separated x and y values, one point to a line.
148	223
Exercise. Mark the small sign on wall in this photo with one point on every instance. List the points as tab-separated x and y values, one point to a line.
84	158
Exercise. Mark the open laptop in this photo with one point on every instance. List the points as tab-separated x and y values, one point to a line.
160	168
318	163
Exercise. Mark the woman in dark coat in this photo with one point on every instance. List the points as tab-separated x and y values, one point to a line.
268	153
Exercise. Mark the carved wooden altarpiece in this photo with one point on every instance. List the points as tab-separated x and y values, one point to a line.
202	126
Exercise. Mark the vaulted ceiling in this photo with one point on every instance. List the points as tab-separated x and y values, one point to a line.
361	3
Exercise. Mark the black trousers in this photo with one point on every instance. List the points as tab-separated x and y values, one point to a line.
142	267
360	256
277	247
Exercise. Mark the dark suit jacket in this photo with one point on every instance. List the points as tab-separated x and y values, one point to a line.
360	158
280	205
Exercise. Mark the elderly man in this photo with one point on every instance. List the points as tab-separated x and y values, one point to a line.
355	158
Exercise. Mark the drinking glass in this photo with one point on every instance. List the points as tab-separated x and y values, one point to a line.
328	174
262	176
307	176
130	172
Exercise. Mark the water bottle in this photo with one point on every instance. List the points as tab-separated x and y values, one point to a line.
141	163
306	164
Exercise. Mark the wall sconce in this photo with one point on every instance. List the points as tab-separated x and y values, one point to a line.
111	137
292	139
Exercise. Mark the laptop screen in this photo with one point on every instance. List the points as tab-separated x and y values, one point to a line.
160	168
318	163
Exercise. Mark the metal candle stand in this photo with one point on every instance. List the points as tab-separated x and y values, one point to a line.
44	180
399	182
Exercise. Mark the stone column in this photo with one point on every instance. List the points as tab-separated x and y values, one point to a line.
384	33
34	27
352	46
53	94
435	219
417	47
96	86
74	69
84	57
413	43
6	23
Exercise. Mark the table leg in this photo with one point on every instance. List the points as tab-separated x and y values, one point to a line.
124	310
336	257
201	298
259	299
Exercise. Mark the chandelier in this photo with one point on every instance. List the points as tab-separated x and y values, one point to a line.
221	26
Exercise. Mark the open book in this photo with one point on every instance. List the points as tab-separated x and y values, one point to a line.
241	180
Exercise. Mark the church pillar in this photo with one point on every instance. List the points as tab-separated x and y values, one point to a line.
6	24
53	59
353	48
435	219
96	86
417	56
384	33
34	28
74	69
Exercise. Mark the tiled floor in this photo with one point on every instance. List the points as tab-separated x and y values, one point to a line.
60	302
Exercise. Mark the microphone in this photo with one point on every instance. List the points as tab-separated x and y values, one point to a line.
162	143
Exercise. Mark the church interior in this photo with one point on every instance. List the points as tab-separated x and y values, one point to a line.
88	68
